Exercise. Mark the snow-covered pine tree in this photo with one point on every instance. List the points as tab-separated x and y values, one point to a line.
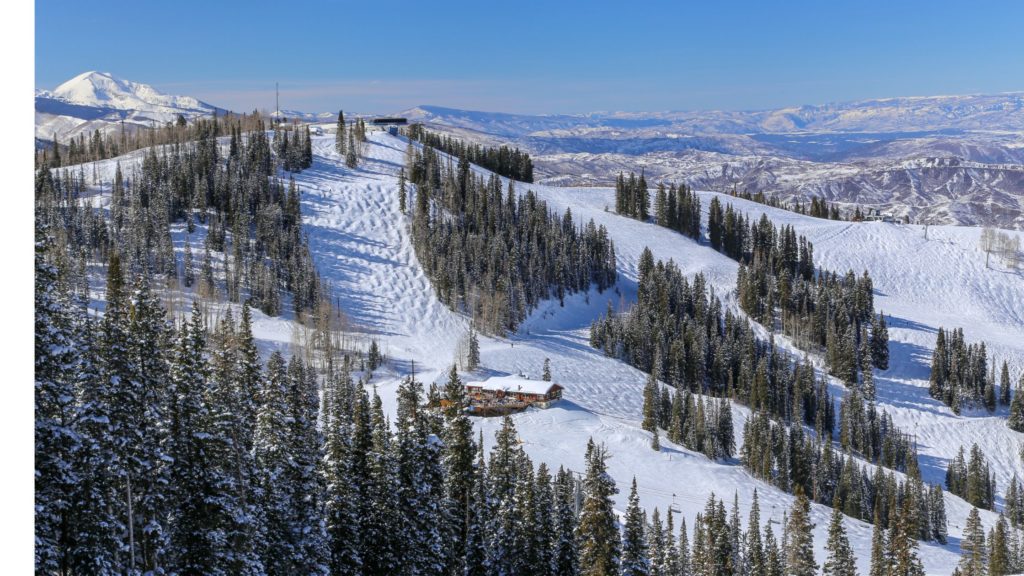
458	459
879	565
339	136
566	560
474	558
380	519
597	533
1004	385
100	504
634	542
973	549
839	560
270	450
56	439
880	342
544	534
754	559
340	494
424	529
351	156
505	532
147	475
311	553
799	544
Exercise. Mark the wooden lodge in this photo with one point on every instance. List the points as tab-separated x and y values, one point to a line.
506	394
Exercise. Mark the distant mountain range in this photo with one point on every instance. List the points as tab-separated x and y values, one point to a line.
941	159
938	159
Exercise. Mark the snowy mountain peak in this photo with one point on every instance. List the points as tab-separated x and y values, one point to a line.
104	90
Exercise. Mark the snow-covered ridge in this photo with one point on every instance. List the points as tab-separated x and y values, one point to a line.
101	101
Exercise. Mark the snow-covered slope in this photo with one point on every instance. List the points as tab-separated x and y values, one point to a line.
101	101
362	247
360	239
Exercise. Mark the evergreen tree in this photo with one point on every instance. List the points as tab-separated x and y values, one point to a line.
474	559
340	492
458	459
635	561
402	194
1004	385
339	135
564	547
974	552
473	361
879	554
840	560
879	342
546	372
1016	418
999	560
56	442
799	544
597	534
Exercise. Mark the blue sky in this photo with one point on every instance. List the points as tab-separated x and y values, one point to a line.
537	57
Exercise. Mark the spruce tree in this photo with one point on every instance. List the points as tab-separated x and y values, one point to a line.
564	547
458	456
1016	418
999	560
597	534
339	135
402	194
340	491
634	543
799	544
56	441
839	560
973	550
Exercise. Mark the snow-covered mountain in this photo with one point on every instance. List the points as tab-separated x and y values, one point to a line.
941	159
101	101
362	246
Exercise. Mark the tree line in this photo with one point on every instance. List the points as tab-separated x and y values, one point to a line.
252	219
820	310
793	461
495	255
101	145
675	207
1000	554
511	163
815	208
972	479
962	378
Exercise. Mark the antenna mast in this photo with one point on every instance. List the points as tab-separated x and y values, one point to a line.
277	102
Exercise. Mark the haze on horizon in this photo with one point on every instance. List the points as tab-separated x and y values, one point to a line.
533	57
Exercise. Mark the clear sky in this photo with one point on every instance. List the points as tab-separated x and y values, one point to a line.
537	57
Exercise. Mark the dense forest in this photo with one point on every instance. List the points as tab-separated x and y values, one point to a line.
511	163
497	254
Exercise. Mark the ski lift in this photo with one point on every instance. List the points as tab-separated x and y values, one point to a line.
672	507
